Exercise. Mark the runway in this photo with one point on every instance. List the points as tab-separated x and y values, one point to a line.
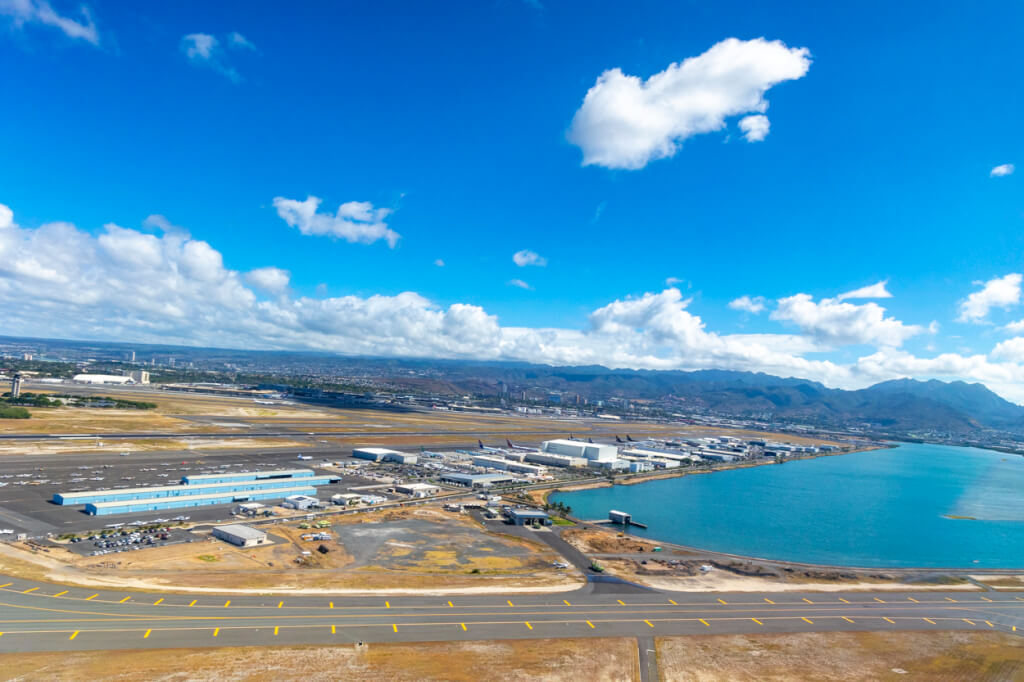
47	617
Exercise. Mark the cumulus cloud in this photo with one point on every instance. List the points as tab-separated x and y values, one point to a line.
626	122
23	12
836	323
357	222
1001	292
270	279
755	127
520	284
204	49
876	290
120	283
1013	327
1011	349
748	304
527	257
1002	171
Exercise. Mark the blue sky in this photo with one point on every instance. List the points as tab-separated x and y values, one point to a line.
452	126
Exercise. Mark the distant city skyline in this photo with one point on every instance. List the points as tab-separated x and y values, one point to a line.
829	195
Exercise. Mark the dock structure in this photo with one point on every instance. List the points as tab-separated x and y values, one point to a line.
624	519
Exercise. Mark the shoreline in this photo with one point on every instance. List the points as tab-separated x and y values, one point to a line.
782	563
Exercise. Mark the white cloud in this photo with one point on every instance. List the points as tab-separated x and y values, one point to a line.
520	284
270	279
672	281
876	290
755	127
749	304
125	284
236	39
439	263
835	323
1001	292
1011	349
626	122
24	12
1013	327
357	222
204	49
527	257
1002	171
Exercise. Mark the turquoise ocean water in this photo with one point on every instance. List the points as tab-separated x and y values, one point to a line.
874	509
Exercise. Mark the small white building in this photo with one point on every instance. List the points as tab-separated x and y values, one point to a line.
242	536
417	489
384	455
100	379
249	508
300	502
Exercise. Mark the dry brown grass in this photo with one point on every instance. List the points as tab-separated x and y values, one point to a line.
842	657
595	660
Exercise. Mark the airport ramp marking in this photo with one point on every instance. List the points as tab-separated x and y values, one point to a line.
757	621
704	621
146	636
768	600
124	600
527	623
510	602
31	589
588	623
6	585
216	631
227	603
621	602
969	622
888	620
843	600
394	627
951	599
913	600
73	635
880	601
92	597
985	599
989	623
387	604
451	605
649	622
330	605
806	620
193	602
463	626
567	602
333	631
808	600
275	630
61	593
280	604
928	620
848	620
672	602
158	601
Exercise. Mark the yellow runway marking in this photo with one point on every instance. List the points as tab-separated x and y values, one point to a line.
951	599
808	600
621	602
843	600
193	603
1013	626
158	601
913	600
510	602
451	605
146	636
989	623
928	620
124	600
757	621
6	585
528	624
1017	598
672	603
703	621
332	630
768	600
227	603
649	622
969	622
330	604
387	604
807	620
280	604
879	600
567	602
31	589
394	627
848	620
92	597
275	630
73	634
588	623
216	631
890	620
722	601
986	599
60	593
463	626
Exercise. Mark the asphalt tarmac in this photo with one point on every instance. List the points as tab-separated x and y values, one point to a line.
47	617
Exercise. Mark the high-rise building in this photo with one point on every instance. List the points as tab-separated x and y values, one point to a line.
131	356
16	386
26	356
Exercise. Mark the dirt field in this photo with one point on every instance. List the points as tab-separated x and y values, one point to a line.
410	549
843	657
597	660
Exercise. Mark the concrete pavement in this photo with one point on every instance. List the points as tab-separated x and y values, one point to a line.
47	617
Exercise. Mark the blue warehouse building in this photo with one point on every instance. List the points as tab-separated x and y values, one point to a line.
161	503
124	494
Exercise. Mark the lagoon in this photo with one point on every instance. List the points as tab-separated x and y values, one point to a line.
893	507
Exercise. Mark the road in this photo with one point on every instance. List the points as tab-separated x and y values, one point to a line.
47	617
